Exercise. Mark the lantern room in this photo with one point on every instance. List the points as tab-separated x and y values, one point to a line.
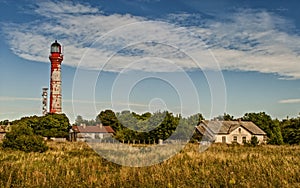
55	47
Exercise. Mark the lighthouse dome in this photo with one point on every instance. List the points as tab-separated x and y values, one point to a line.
55	47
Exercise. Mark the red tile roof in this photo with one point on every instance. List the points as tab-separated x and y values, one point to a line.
93	129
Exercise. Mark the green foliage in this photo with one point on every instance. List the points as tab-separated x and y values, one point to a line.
186	128
265	122
149	128
254	141
79	120
225	117
54	125
228	117
22	137
129	126
108	118
291	130
50	125
4	122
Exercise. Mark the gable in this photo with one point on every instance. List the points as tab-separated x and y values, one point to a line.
240	130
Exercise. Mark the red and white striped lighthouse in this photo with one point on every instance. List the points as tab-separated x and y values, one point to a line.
56	58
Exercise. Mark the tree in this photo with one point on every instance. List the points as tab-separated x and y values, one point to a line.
22	137
228	117
79	120
50	125
225	117
265	122
291	130
54	125
4	122
108	118
166	126
186	128
254	141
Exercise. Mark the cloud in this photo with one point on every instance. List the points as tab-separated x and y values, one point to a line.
51	8
108	103
289	101
246	40
4	98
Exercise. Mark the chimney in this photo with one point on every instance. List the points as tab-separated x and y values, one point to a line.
100	125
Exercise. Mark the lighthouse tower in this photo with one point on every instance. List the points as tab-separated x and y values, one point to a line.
56	58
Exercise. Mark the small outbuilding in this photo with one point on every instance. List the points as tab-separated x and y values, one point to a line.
2	133
3	130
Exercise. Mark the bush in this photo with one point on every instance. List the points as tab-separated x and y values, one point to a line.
253	142
22	138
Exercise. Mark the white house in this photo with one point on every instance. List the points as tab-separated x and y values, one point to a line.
2	132
83	132
230	131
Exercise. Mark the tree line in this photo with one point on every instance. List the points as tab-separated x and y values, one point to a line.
130	126
150	127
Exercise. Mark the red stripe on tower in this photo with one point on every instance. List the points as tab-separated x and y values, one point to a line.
56	58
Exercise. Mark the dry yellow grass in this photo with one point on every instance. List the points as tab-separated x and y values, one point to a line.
76	165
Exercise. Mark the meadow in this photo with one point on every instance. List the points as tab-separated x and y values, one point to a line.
77	165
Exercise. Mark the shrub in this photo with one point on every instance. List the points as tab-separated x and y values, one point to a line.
253	142
22	138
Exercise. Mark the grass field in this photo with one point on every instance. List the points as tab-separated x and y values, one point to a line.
76	165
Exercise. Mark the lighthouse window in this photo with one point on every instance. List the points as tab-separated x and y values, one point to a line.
54	49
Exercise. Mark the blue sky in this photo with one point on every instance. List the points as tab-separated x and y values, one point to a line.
183	56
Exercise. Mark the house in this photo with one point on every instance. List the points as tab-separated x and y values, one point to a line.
84	132
3	130
230	131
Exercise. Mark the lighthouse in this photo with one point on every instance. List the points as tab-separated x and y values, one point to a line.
56	58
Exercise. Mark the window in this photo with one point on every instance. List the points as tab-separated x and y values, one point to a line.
224	139
244	139
97	136
235	139
240	130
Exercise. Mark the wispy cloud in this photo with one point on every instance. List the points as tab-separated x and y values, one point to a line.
4	98
247	40
50	8
289	101
75	101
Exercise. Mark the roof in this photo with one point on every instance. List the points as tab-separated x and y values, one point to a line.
226	127
55	43
92	129
2	129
